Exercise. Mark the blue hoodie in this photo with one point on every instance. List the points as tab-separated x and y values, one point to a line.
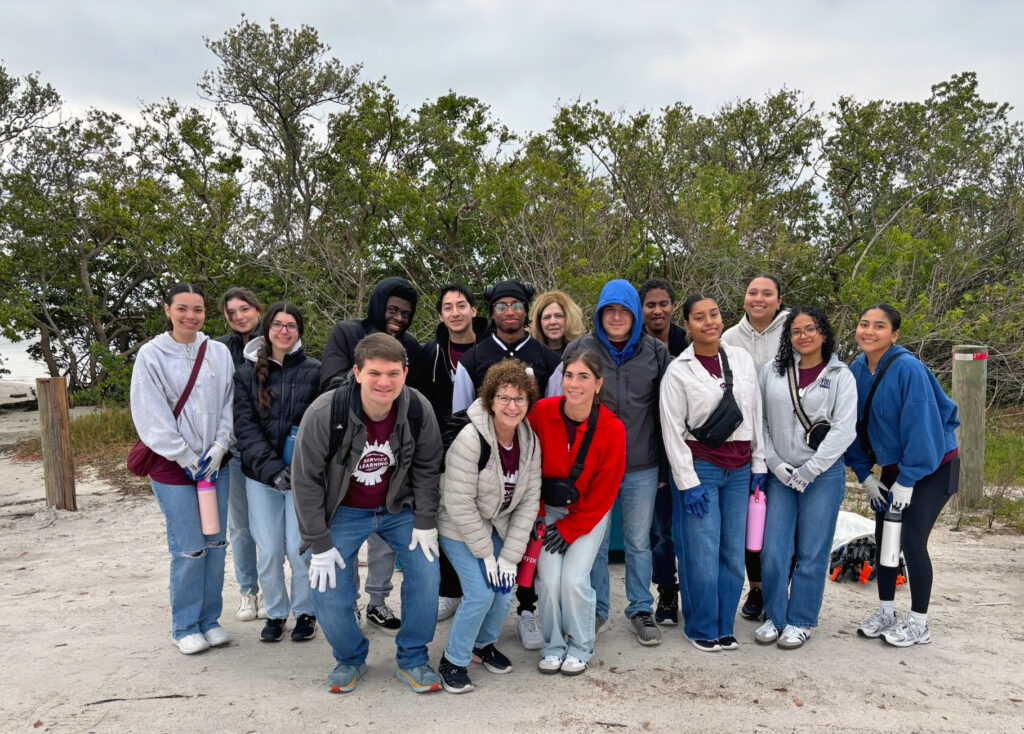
623	293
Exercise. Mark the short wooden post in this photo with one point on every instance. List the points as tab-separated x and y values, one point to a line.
970	371
55	430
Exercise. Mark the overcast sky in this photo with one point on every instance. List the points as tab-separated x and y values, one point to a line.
523	57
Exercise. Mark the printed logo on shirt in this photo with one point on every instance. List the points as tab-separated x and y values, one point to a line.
510	486
825	383
374	461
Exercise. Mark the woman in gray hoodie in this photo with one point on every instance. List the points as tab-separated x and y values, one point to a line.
808	476
189	448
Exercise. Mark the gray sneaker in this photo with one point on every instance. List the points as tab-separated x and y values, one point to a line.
420	678
908	632
766	634
647	632
344	677
793	637
876	624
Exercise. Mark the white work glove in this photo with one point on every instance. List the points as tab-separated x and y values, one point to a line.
876	493
783	471
491	570
507	571
209	463
427	541
901	496
797	481
321	569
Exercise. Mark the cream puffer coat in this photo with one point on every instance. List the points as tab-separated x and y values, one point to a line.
471	502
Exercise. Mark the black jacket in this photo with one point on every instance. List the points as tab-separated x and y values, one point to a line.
260	433
541	359
339	353
233	342
438	372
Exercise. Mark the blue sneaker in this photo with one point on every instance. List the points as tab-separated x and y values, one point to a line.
420	678
344	677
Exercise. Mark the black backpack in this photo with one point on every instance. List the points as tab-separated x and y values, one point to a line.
451	426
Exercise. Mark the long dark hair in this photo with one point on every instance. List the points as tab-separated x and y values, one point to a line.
264	395
784	357
592	361
175	290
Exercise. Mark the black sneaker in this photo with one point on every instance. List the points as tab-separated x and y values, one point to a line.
491	659
273	630
668	606
305	628
728	642
706	645
454	678
384	618
753	607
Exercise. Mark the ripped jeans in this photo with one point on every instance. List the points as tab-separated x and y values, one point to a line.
197	560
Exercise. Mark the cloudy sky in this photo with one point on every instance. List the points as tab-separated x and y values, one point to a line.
523	57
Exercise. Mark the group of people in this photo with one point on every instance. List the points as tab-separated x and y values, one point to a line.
505	443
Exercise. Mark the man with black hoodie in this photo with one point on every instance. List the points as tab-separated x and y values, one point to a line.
391	310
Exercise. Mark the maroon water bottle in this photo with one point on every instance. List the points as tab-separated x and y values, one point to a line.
528	566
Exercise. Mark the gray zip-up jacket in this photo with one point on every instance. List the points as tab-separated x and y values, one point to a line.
832	397
161	371
471	502
318	487
761	346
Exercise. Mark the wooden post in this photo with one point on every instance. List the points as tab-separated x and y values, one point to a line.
55	430
970	371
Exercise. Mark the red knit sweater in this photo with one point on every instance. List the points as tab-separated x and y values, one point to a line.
603	468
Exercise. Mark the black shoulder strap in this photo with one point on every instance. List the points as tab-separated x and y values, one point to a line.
795	395
485	452
581	455
339	421
726	372
865	443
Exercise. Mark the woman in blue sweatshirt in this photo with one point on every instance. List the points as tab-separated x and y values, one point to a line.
910	435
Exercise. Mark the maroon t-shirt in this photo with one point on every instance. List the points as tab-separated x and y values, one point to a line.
455	352
808	376
571	426
731	454
368	487
509	469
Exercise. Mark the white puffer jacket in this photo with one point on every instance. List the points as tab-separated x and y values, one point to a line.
471	502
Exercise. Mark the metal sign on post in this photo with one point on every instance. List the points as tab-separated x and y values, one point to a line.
970	373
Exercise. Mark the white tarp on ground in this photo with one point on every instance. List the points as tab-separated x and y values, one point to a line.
851	526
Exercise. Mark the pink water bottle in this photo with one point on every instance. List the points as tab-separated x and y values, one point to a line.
756	507
208	515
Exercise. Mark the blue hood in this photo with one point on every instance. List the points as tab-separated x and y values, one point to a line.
623	293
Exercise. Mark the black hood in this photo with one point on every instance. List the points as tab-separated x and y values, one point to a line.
379	300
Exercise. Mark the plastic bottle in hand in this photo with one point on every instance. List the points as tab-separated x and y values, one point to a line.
209	518
289	446
756	508
892	533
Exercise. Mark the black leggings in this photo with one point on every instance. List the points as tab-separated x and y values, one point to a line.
930	496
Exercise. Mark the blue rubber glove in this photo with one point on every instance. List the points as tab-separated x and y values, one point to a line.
757	481
209	463
193	471
876	493
696	500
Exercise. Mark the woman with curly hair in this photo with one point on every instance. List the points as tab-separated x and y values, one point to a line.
272	391
555	320
485	517
808	479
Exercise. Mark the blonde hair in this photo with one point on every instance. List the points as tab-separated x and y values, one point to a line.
574	327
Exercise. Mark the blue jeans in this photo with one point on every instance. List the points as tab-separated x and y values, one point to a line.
810	516
636	500
663	557
243	547
710	551
565	599
420	579
479	617
197	560
276	530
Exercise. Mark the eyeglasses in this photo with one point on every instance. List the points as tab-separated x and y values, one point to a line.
515	307
807	330
506	400
278	326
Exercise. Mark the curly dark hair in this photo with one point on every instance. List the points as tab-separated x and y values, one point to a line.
511	372
784	358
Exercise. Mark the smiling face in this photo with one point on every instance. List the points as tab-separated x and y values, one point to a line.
509	318
657	310
580	386
875	333
397	315
380	382
457	315
552	323
806	337
705	325
761	302
283	333
241	317
187	313
617	321
509	407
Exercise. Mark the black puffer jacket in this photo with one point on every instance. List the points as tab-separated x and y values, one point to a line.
260	433
233	341
438	372
339	352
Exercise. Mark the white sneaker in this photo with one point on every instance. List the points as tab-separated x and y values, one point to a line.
261	608
793	637
550	664
766	634
217	636
191	644
246	608
908	632
572	665
876	624
446	606
528	632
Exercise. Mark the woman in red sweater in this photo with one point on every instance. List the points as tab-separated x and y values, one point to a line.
576	512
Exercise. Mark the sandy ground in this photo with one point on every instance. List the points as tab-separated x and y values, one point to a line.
86	627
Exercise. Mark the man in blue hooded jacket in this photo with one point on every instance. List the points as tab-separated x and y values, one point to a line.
634	363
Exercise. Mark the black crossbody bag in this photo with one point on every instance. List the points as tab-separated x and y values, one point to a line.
813	434
725	418
862	424
559	492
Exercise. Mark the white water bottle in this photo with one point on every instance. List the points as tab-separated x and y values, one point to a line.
892	533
